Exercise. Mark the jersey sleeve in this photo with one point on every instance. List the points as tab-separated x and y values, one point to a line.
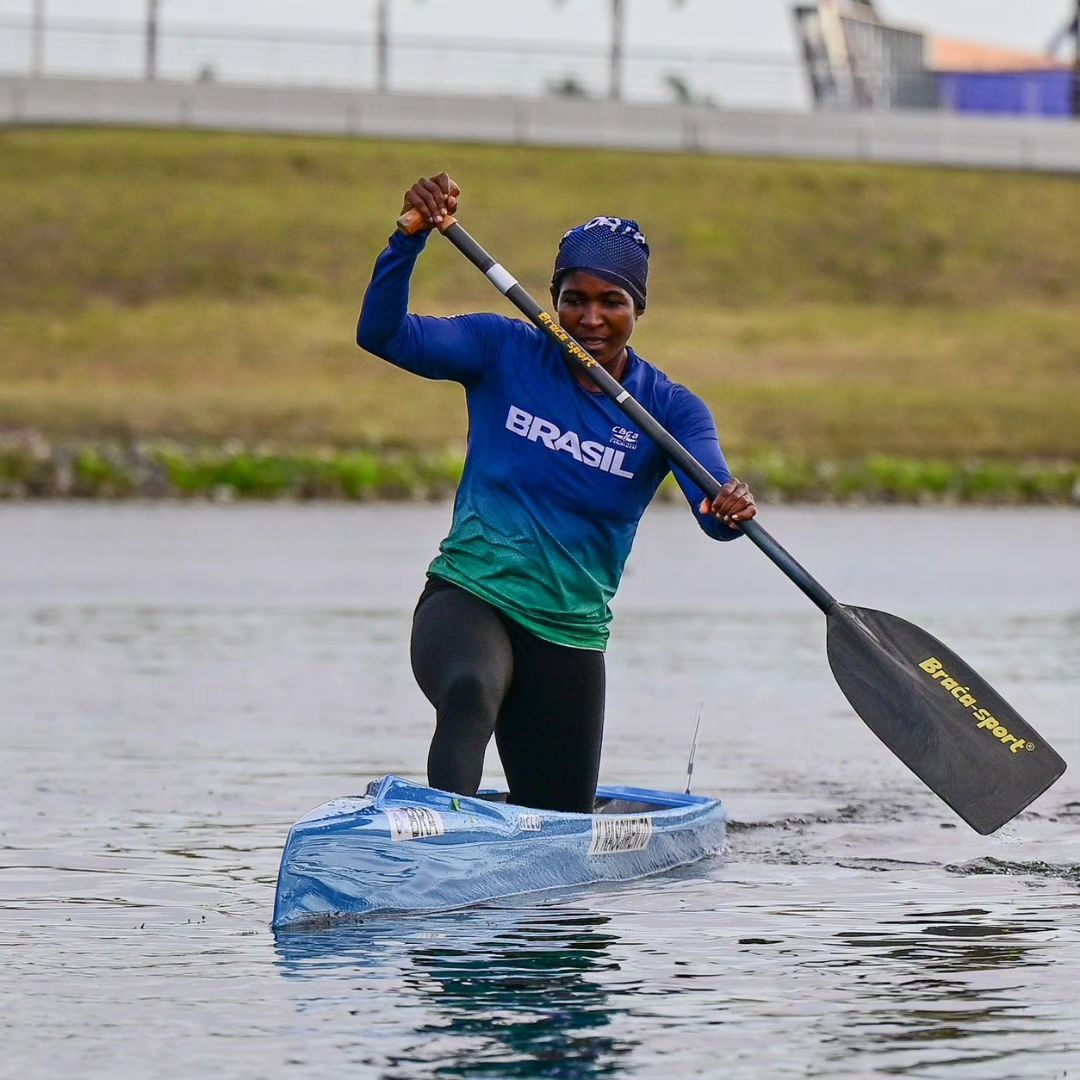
690	421
456	348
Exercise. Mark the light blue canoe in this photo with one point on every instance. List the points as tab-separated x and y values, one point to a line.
404	847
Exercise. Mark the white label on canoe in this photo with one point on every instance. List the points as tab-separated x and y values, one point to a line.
530	822
414	823
614	834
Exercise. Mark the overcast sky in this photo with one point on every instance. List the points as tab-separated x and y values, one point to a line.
750	25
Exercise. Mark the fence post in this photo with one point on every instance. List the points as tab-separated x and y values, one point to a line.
615	59
1076	64
151	39
37	40
382	46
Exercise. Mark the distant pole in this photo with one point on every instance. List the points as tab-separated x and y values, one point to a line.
1076	63
151	39
382	46
37	39
618	25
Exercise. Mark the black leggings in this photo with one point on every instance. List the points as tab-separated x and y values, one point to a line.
485	673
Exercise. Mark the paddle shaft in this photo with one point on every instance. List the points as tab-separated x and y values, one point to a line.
411	221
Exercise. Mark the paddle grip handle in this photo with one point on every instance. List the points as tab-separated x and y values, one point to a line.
412	222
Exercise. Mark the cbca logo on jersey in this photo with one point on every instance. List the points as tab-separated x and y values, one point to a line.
624	437
538	430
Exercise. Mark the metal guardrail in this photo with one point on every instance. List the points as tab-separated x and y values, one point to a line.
926	138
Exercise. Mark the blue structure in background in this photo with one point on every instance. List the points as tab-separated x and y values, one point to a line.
1021	93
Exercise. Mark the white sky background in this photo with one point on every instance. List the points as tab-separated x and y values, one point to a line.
753	28
751	25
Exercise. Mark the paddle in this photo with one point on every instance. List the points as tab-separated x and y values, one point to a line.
933	711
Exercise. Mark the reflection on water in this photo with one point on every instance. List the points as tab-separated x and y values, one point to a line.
918	944
966	1006
505	992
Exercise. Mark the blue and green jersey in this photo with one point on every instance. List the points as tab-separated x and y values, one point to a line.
556	476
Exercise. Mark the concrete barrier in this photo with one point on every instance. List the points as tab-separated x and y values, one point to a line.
927	138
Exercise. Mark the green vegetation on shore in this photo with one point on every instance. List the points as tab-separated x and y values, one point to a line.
30	468
858	330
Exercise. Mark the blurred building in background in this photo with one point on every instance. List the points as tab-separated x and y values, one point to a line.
855	59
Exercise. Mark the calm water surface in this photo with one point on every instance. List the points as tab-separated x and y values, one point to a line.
180	683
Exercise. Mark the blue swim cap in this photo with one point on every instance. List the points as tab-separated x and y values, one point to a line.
612	248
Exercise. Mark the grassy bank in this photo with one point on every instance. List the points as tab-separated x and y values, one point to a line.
201	289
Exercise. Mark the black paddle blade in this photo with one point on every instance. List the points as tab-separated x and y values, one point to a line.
939	717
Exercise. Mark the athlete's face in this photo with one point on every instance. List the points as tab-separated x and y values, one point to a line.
598	314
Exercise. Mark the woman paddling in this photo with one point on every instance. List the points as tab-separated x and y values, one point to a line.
509	633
